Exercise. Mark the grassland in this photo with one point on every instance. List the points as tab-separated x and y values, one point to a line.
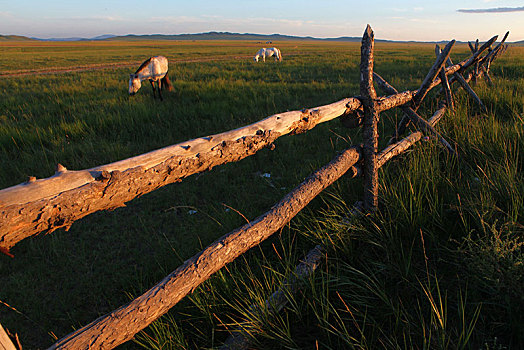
439	266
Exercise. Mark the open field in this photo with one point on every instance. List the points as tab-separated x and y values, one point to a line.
440	266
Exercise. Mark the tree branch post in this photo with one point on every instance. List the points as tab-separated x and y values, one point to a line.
371	116
445	83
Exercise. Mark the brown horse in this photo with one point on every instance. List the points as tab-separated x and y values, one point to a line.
155	70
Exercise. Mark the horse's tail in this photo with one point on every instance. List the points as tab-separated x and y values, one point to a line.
279	55
166	83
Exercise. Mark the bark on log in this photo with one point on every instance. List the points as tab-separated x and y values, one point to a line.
370	123
412	115
425	126
445	83
476	56
495	51
426	85
239	339
58	201
471	48
432	74
399	147
488	77
122	324
466	87
475	75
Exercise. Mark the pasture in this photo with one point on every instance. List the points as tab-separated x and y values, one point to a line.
439	266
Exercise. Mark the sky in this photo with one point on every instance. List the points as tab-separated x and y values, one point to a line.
393	20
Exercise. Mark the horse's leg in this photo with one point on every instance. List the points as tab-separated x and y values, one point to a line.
153	86
159	82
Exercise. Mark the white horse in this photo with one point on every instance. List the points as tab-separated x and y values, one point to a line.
272	51
154	69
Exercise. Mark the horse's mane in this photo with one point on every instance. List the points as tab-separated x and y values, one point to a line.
146	62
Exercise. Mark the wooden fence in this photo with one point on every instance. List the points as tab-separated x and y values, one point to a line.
45	205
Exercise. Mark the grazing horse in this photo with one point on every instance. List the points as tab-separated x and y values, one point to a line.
154	69
272	51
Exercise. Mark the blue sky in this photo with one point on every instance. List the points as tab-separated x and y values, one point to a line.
396	20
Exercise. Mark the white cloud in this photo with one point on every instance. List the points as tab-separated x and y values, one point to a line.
493	10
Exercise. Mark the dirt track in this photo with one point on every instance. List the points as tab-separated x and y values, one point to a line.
90	67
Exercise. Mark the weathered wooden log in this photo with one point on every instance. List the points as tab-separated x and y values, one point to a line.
447	90
495	51
412	115
468	88
397	148
476	56
425	126
370	123
58	201
475	75
122	324
487	66
445	83
239	339
484	71
471	48
426	85
432	74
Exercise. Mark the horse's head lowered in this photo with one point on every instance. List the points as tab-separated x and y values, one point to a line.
134	84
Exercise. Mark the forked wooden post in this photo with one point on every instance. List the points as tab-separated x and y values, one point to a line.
444	82
413	116
466	87
476	74
424	88
370	129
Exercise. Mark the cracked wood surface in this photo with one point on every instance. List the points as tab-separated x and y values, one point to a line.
370	121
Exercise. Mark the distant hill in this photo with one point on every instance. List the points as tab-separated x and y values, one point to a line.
228	36
61	39
14	38
216	36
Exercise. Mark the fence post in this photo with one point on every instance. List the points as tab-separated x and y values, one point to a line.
371	116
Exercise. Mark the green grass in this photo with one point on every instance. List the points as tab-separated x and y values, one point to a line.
439	266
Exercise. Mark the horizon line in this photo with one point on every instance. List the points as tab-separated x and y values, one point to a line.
111	36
